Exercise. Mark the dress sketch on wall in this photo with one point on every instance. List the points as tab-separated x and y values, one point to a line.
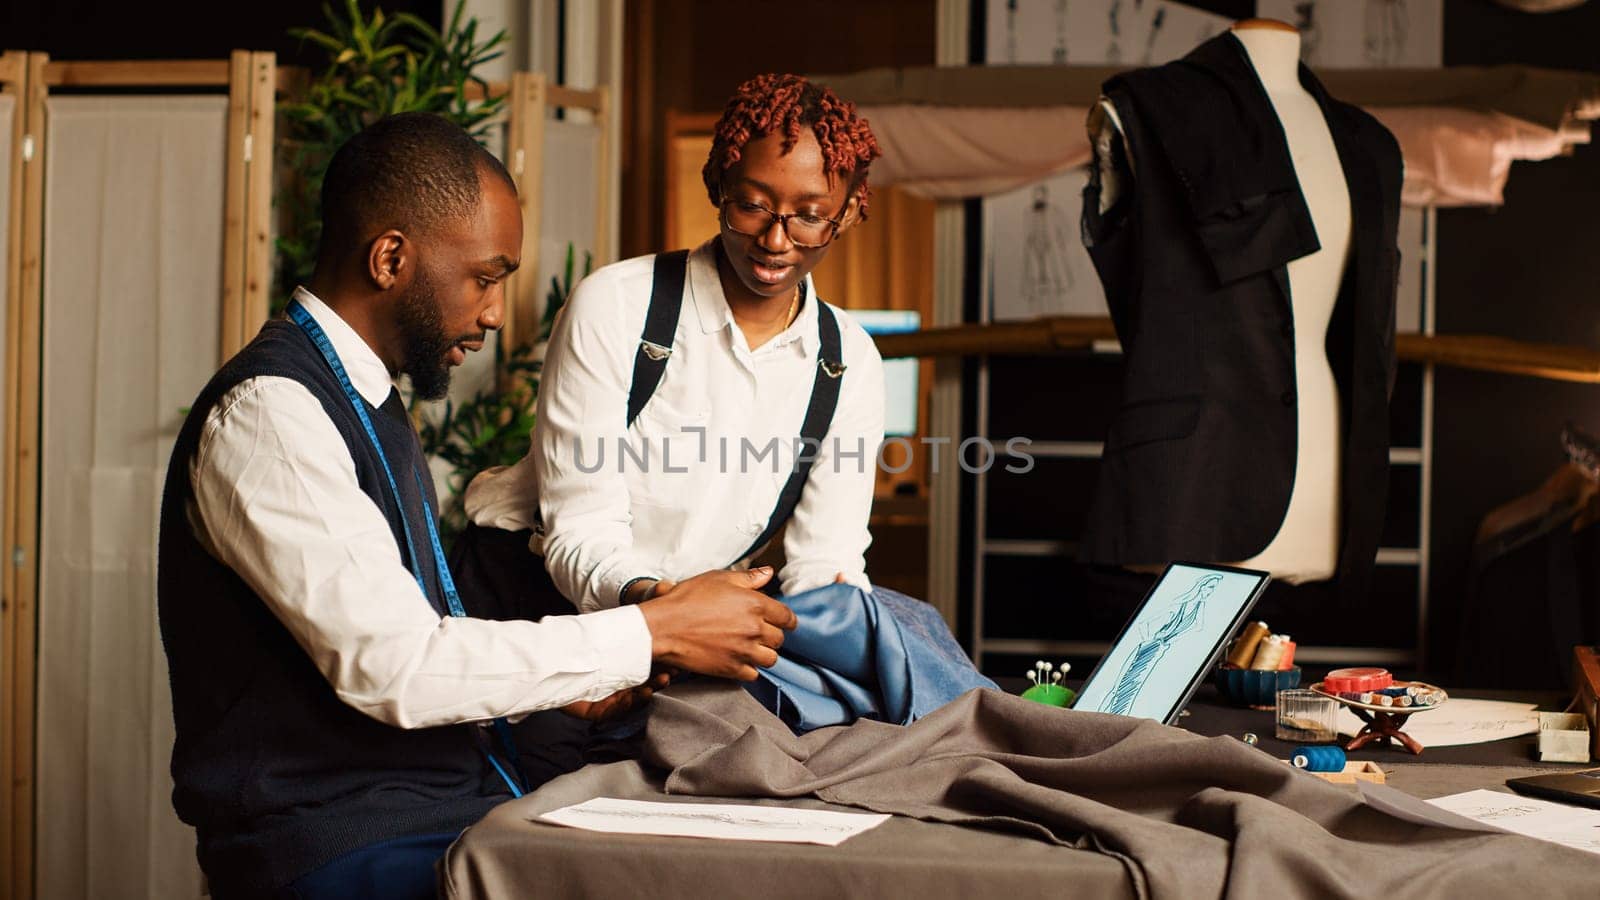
1058	53
1027	271
1368	34
1046	272
1305	19
1182	618
1011	32
1151	36
1114	24
1386	29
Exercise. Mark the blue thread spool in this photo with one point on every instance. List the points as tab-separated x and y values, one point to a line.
1319	759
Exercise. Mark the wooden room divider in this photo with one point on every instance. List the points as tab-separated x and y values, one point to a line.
70	749
49	846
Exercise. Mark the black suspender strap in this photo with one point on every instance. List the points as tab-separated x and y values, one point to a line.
660	324
819	416
655	348
655	342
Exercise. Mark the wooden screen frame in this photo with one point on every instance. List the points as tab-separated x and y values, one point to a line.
21	76
532	98
679	124
251	79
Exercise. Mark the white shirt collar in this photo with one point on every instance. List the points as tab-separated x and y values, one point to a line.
711	304
367	372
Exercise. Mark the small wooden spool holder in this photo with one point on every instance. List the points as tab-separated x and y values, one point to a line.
1384	723
1383	726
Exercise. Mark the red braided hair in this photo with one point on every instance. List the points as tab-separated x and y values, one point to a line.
769	104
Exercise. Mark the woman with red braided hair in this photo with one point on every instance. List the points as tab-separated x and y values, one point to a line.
692	404
696	404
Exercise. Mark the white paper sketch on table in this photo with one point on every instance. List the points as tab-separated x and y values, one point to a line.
714	820
1491	813
688	813
1183	616
1573	826
1460	722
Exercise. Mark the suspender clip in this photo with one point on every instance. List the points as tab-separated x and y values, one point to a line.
832	369
655	351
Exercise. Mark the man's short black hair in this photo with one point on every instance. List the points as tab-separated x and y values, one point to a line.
411	171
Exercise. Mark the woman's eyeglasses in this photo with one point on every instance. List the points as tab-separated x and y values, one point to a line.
807	230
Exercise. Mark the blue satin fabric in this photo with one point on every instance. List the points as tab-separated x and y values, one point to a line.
863	654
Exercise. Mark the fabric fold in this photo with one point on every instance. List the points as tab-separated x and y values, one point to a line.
857	654
1190	816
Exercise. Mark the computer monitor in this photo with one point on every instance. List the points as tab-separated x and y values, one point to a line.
899	375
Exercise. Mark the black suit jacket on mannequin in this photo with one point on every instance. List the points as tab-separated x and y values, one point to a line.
1200	458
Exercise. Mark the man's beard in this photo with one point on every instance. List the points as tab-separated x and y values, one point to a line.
426	343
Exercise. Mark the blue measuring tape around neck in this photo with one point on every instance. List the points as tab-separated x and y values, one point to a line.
447	585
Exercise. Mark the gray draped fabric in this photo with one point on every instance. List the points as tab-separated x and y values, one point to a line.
1187	816
133	200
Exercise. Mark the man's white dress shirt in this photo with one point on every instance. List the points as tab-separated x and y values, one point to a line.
277	500
716	440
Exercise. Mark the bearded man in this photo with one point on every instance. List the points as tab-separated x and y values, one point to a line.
336	709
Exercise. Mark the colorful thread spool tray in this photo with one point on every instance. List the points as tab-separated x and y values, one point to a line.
1384	723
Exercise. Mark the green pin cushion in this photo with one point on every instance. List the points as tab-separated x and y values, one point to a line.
1049	694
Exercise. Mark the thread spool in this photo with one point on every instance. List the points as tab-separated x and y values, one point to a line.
1318	759
1288	655
1270	652
1244	646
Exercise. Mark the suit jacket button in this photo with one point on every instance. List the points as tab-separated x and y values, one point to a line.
1287	398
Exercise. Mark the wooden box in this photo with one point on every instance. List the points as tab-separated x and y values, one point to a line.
1365	770
1563	737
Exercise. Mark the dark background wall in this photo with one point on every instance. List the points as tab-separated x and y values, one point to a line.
1528	270
171	29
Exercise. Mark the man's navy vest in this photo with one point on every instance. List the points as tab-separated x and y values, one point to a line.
1200	459
274	771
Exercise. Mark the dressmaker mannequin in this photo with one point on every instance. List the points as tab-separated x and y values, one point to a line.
1306	547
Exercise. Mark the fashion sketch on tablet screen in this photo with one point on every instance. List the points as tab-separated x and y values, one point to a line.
1184	616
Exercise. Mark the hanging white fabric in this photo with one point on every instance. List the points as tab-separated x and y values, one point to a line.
132	298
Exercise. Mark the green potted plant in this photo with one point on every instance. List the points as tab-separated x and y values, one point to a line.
375	66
